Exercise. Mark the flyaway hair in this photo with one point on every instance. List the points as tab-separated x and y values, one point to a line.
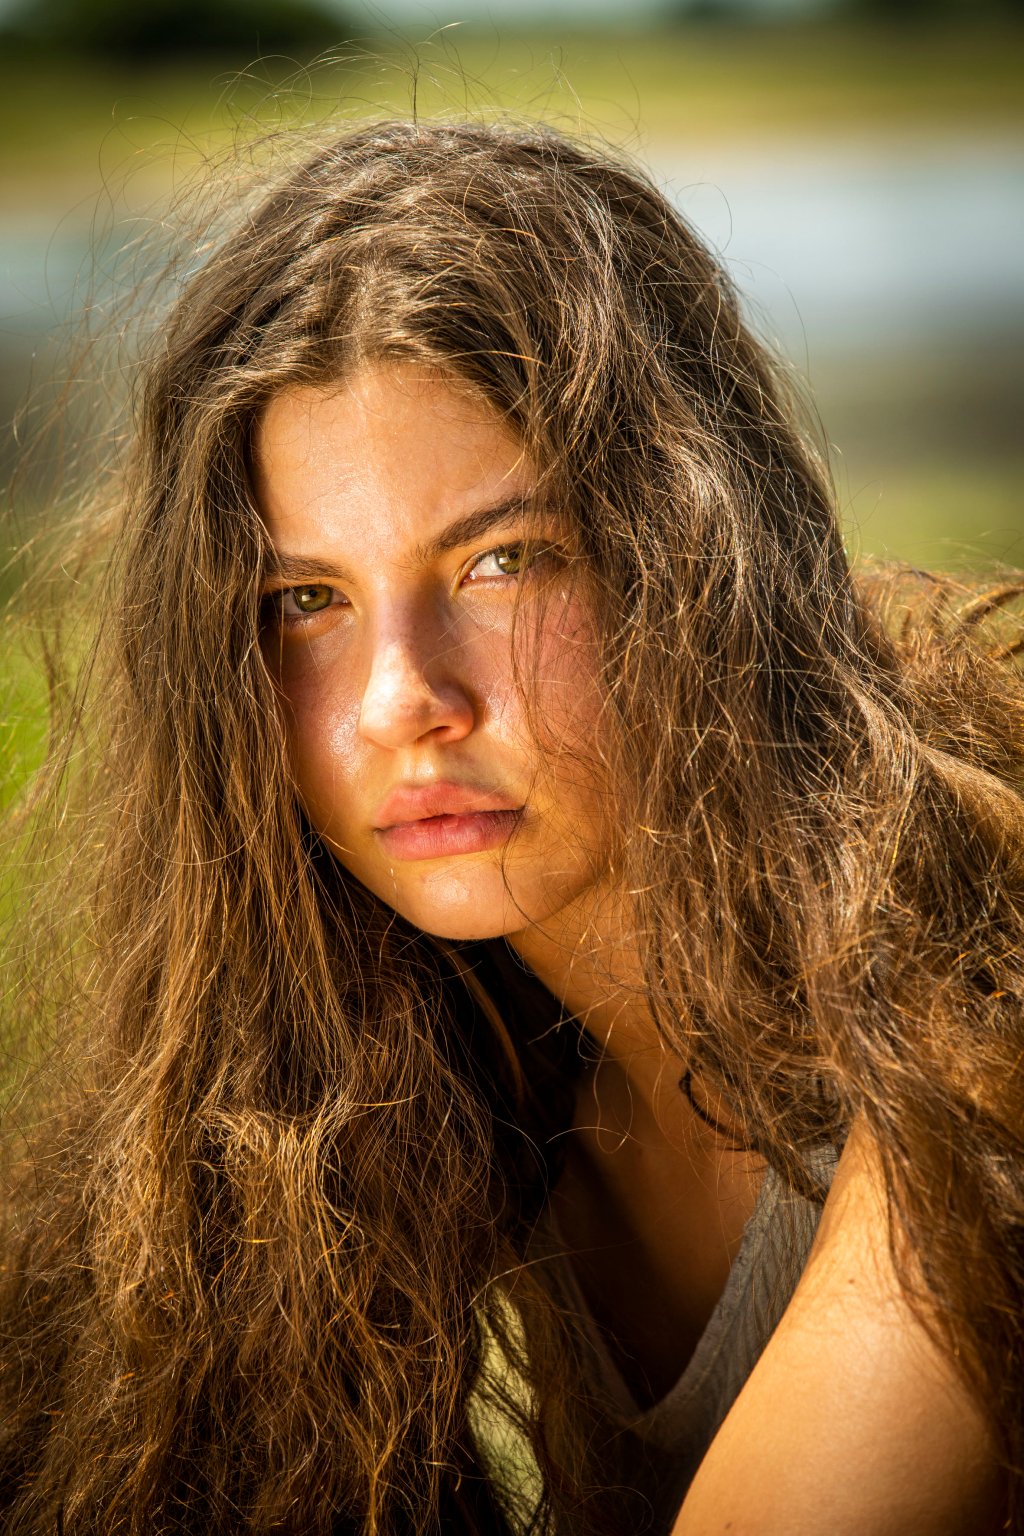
265	1257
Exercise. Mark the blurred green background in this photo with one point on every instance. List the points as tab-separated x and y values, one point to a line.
859	164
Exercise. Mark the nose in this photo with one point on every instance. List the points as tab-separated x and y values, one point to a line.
413	689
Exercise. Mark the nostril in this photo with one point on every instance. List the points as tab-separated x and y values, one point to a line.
401	703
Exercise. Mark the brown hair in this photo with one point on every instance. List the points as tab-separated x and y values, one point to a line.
273	1252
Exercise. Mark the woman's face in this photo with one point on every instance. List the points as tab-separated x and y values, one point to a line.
399	508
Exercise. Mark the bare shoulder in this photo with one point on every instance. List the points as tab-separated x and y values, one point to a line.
853	1420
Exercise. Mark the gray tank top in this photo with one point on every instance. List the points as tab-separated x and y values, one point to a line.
661	1447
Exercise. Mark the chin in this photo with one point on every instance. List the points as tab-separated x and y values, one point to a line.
450	906
470	899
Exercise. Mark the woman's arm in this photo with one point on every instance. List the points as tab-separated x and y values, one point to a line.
853	1422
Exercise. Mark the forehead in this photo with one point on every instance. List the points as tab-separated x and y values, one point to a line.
393	450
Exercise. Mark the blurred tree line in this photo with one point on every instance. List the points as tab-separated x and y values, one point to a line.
895	11
143	31
934	10
158	30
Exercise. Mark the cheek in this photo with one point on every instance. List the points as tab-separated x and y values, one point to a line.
568	692
321	717
564	728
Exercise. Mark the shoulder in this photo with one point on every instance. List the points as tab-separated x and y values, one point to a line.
853	1420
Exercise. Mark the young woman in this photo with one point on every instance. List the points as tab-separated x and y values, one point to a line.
547	1022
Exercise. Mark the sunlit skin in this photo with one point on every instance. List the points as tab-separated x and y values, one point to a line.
401	677
398	505
394	504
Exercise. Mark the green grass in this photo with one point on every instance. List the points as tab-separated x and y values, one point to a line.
23	713
941	516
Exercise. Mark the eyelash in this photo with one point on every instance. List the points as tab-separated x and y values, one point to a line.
272	604
530	553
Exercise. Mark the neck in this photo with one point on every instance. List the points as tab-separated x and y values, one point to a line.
589	958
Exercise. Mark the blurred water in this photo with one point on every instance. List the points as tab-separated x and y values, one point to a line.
846	248
891	275
837	247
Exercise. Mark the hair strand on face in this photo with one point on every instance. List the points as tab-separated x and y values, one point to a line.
266	1263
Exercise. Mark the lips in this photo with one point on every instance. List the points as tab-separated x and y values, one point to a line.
439	820
413	802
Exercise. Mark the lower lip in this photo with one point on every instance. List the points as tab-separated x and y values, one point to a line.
437	837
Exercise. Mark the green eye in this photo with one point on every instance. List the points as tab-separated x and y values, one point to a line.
509	559
312	599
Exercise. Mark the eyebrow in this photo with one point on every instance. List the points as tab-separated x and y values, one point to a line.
464	530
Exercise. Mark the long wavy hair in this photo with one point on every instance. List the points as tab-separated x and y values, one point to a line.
264	1261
